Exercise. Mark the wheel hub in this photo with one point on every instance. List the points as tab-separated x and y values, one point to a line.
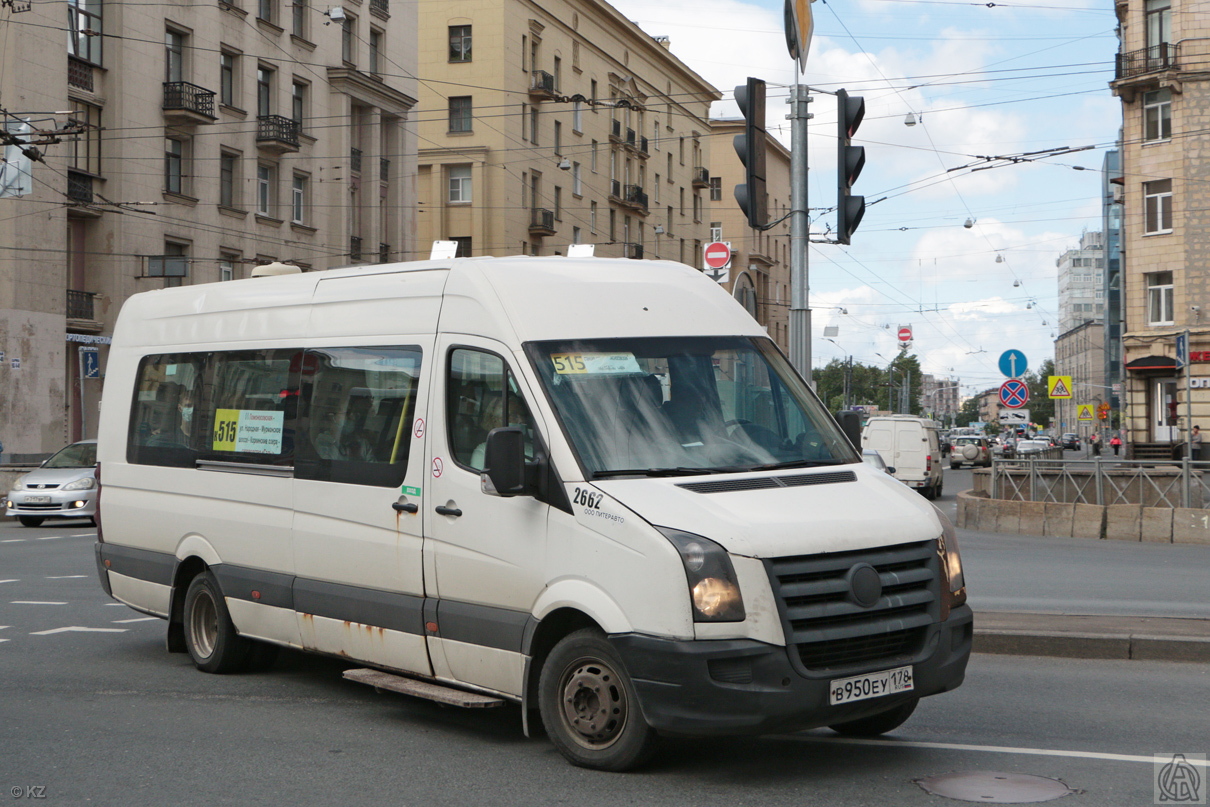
594	704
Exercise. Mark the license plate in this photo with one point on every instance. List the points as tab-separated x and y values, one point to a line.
873	685
37	500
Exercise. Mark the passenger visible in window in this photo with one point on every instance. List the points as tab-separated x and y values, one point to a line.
180	435
356	441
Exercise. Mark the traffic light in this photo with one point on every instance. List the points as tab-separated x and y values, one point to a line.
849	162
750	146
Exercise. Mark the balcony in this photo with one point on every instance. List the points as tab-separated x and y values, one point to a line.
541	222
1146	60
542	85
632	251
277	133
355	160
354	249
615	189
381	8
632	139
79	74
79	188
187	104
642	150
80	305
636	198
615	131
701	177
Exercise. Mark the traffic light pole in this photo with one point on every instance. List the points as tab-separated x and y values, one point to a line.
800	231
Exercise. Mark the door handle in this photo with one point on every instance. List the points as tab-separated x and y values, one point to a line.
448	511
405	508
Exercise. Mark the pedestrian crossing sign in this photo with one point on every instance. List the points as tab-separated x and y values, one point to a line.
1084	412
1058	386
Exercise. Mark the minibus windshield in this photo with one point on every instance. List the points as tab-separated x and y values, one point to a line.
672	406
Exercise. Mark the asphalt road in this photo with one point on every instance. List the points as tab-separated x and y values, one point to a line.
106	716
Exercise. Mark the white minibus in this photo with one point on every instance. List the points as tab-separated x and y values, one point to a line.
593	488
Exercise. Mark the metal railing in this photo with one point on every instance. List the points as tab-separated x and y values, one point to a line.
1145	60
355	248
701	176
542	82
189	97
636	196
278	128
1102	481
79	304
355	160
615	130
381	6
541	220
79	74
79	187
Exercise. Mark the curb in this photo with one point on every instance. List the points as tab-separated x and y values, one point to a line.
1069	644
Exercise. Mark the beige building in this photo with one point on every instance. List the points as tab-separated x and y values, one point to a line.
1165	182
939	398
1080	353
203	140
759	276
547	125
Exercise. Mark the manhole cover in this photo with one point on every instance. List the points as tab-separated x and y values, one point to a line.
991	787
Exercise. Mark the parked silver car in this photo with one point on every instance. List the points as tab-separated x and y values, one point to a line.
1035	448
64	487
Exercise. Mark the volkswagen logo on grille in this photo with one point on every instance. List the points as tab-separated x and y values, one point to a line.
865	586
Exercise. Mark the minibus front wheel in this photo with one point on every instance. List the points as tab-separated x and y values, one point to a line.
589	705
210	636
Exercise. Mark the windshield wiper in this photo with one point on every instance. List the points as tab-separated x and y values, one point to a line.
773	466
653	472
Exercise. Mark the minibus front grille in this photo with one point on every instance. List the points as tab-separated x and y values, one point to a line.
766	482
826	625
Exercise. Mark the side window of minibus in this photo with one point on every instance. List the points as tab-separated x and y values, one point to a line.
358	404
164	422
249	411
481	395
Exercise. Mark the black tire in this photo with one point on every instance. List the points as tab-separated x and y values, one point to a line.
210	636
589	706
877	724
31	521
955	465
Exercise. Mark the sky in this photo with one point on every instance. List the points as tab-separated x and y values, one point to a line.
986	79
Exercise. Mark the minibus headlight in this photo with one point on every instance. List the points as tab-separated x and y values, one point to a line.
951	563
87	483
713	587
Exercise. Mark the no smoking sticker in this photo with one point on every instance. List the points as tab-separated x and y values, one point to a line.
419	430
438	467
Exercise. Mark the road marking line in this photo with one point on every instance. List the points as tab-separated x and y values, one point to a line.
3	640
116	604
10	581
140	619
3	627
68	577
50	537
996	749
34	602
80	535
78	629
12	541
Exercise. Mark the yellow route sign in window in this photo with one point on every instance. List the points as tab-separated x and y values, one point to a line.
1058	386
1084	412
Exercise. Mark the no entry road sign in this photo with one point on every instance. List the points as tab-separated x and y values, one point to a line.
718	254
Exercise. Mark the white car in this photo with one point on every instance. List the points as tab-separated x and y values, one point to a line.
64	487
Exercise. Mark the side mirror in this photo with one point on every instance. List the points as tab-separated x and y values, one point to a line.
850	424
504	470
890	470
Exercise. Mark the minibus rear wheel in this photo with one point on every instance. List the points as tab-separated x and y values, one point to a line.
589	705
877	724
210	635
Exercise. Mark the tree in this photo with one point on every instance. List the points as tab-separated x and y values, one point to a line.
1041	407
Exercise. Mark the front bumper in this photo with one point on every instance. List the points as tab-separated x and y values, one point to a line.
52	503
729	687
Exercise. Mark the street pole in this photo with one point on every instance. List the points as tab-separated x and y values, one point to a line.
800	231
1188	408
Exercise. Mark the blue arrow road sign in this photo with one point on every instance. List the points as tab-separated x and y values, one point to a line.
1013	363
1014	394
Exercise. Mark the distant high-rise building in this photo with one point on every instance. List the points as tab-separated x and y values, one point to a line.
1081	282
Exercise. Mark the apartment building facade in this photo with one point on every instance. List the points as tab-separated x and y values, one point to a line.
1081	276
543	126
759	276
1165	97
203	140
1080	353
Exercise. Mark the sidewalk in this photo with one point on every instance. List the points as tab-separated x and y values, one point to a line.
1102	637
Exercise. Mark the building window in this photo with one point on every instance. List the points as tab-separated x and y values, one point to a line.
174	56
460	43
460	113
266	180
558	73
227	73
1157	115
460	184
613	224
575	235
1157	206
524	69
85	147
1160	299
592	217
298	104
681	150
267	10
558	203
577	116
226	267
298	199
1159	28
264	91
463	250
228	180
655	190
375	51
594	156
298	24
716	231
697	208
593	97
84	15
173	265
533	125
577	186
558	138
716	189
348	33
174	165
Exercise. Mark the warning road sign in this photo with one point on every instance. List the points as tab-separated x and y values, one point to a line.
1058	386
1084	412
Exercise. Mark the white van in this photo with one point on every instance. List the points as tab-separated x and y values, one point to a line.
591	487
911	446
